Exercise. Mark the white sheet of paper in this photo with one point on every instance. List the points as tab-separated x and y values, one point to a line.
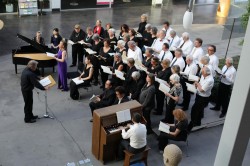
183	73
164	88
93	98
106	69
193	78
77	81
218	70
119	74
164	127
191	88
111	54
160	80
50	54
45	82
91	52
71	42
138	35
123	116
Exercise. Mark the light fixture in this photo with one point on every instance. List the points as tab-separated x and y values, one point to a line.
188	16
1	24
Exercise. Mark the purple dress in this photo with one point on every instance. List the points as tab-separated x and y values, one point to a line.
62	73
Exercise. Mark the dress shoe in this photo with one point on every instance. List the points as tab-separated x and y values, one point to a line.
149	131
72	65
35	117
215	108
91	120
222	115
101	86
30	121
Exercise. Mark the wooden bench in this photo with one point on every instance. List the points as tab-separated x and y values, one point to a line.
129	156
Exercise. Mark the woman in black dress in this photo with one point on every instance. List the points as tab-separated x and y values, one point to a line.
112	38
118	65
55	40
105	59
132	34
124	30
86	76
178	129
143	23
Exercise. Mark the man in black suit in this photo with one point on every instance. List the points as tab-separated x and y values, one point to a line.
29	80
131	69
120	95
136	86
107	98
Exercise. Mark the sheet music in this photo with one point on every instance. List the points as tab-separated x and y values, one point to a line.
93	98
91	52
161	81
146	47
71	42
193	78
123	116
119	74
138	62
218	70
106	69
115	47
138	35
164	88
77	81
111	54
50	54
45	82
164	127
191	88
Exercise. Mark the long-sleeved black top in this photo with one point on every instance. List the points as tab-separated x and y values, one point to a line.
29	80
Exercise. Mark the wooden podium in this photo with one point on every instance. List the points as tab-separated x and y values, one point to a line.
105	144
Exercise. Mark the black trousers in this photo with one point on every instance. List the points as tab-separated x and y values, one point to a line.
93	106
124	145
164	137
77	51
104	77
146	113
198	109
74	93
28	105
186	93
160	98
169	117
223	97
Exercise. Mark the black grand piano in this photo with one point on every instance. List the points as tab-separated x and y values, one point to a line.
34	51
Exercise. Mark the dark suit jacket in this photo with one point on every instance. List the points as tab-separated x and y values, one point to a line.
164	75
135	88
124	99
107	97
147	96
128	78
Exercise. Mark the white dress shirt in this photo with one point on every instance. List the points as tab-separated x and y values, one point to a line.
137	135
187	47
135	54
214	61
174	43
197	53
167	32
230	74
157	45
206	85
179	61
168	55
191	69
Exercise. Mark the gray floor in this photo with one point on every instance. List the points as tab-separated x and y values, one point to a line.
68	137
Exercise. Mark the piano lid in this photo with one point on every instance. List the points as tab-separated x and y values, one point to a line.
33	43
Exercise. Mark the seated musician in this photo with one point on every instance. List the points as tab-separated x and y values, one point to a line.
86	76
38	38
135	139
178	130
136	86
120	95
107	98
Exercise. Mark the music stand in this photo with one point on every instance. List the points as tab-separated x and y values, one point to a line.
46	115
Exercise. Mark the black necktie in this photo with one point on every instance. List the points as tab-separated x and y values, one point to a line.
182	44
173	62
163	56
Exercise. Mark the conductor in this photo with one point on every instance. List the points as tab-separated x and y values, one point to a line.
29	80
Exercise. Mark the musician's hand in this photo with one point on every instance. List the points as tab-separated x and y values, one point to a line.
47	87
98	99
128	125
121	127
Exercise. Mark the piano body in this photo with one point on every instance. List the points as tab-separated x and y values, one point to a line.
105	132
34	51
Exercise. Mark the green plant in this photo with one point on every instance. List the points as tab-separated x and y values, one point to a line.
244	19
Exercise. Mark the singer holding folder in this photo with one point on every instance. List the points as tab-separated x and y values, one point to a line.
29	80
